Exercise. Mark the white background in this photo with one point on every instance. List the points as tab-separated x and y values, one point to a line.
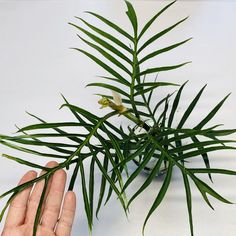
36	65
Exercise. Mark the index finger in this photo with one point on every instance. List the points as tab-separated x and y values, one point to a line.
18	206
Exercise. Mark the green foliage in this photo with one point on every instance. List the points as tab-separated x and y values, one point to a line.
109	149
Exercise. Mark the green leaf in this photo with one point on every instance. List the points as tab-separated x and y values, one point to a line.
102	185
111	87
163	50
24	162
39	209
111	182
222	132
151	86
43	135
149	23
133	18
160	195
175	105
158	35
85	113
182	134
115	172
159	69
30	151
109	57
74	176
85	197
205	150
104	44
109	78
144	114
178	142
147	105
162	116
190	108
106	35
110	190
51	126
41	143
204	155
211	114
133	155
111	24
91	185
115	129
104	66
212	171
189	201
160	103
149	179
57	130
117	149
151	93
146	158
204	188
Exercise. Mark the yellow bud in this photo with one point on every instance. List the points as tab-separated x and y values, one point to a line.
104	102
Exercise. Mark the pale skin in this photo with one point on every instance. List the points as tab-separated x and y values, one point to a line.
57	214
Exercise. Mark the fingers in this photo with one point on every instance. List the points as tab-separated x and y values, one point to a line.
54	200
17	210
36	195
64	225
24	206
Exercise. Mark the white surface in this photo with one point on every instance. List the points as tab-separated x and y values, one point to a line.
36	65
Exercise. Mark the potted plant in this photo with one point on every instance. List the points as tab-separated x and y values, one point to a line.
156	142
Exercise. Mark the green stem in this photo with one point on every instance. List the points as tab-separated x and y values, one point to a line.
136	120
134	74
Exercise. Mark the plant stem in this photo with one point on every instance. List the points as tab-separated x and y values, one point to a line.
134	74
136	120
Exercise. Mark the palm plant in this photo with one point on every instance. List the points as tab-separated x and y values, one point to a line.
108	148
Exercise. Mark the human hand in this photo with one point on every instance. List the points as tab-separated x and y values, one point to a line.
23	208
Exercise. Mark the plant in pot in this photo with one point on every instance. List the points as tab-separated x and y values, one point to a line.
155	142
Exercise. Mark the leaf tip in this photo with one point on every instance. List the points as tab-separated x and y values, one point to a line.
73	48
187	17
63	105
185	82
79	18
62	95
